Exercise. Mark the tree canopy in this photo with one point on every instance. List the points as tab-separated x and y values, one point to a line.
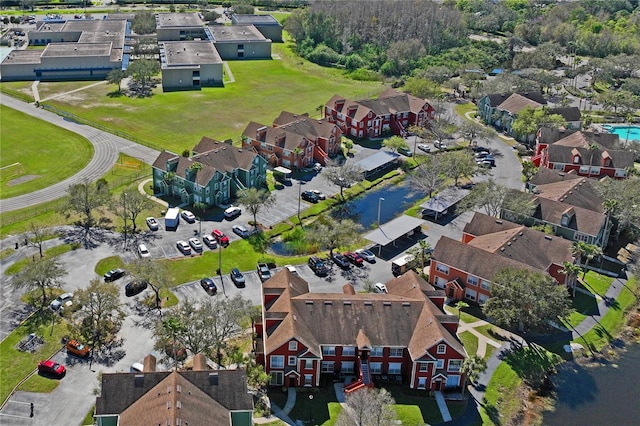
255	200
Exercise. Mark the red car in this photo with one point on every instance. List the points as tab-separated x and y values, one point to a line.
354	258
220	237
52	368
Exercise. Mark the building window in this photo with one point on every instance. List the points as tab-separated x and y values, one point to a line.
422	382
277	378
582	237
395	352
347	367
454	365
595	171
394	367
485	285
439	364
263	145
291	360
348	350
440	282
442	268
558	166
286	153
620	173
328	350
308	364
584	169
452	382
375	367
277	361
470	294
376	351
327	367
441	349
482	298
423	366
472	280
308	379
576	159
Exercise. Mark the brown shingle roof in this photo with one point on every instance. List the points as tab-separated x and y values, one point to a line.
286	117
583	220
276	136
579	143
545	176
568	113
311	129
482	224
577	192
515	103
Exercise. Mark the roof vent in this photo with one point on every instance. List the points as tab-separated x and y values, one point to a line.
509	243
386	303
521	233
498	221
406	304
501	248
309	302
328	302
368	303
548	237
347	303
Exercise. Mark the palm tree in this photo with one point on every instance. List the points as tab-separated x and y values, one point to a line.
593	147
472	367
610	206
461	305
571	270
582	250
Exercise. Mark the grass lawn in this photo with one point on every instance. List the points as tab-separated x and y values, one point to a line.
611	324
598	283
584	305
18	89
261	91
88	419
15	365
470	342
37	383
500	399
52	252
414	407
35	152
462	109
108	263
317	408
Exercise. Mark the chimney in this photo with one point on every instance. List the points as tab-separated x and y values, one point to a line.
200	362
149	364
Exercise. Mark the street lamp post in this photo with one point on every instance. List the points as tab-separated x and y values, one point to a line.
310	400
380	200
124	209
299	194
199	226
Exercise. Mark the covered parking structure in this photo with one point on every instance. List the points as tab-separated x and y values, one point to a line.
391	231
378	162
439	205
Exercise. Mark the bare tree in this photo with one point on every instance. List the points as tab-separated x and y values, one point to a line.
430	175
329	234
154	273
459	164
129	205
37	235
255	200
42	274
85	198
368	407
342	175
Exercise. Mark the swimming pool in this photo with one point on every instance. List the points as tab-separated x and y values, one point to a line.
624	132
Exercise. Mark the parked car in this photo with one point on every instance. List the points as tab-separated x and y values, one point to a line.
318	266
479	148
210	241
468	185
263	271
487	161
209	286
184	247
195	244
309	196
366	255
405	151
481	154
62	301
354	258
232	212
242	231
424	147
135	287
237	277
319	194
317	167
143	251
114	274
51	368
379	288
440	145
292	269
76	348
220	237
152	223
188	216
340	260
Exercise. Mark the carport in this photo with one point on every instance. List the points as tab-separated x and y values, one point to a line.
378	162
444	200
394	229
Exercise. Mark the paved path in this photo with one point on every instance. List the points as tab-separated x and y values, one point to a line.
106	145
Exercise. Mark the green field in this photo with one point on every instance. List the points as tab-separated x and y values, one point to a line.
178	120
46	153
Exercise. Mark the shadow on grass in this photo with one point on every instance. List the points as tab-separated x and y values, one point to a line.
586	304
316	408
532	364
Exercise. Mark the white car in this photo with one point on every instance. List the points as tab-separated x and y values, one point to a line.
320	194
62	301
183	247
188	216
143	251
424	147
232	212
210	241
366	255
152	223
379	288
292	269
240	230
195	244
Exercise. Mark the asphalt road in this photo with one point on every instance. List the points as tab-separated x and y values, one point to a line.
106	146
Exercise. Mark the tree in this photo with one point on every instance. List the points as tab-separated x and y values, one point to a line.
472	131
624	199
422	88
42	274
422	251
526	300
429	176
473	366
100	316
585	253
142	70
349	145
116	76
368	407
37	235
144	22
154	273
84	198
330	234
529	120
459	164
173	326
129	205
529	170
205	327
342	175
461	305
255	200
571	270
395	143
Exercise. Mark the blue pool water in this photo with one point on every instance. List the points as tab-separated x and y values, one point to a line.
624	132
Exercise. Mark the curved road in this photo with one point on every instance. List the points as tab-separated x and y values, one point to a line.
106	147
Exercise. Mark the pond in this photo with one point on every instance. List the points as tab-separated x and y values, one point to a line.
364	209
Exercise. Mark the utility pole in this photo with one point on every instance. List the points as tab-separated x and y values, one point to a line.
124	209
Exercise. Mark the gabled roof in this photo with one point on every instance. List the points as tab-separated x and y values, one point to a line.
577	192
581	139
365	319
568	113
388	102
286	117
549	135
515	103
545	176
582	220
348	107
495	99
482	224
310	129
276	136
580	143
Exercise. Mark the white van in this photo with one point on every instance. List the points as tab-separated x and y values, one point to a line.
402	264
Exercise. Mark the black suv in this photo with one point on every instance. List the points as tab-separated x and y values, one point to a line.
318	266
310	196
135	287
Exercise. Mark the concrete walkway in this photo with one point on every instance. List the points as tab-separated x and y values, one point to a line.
483	340
442	405
151	197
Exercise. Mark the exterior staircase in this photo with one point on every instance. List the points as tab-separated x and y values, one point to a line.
536	160
363	381
320	156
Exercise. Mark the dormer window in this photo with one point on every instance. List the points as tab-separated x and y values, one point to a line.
576	159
